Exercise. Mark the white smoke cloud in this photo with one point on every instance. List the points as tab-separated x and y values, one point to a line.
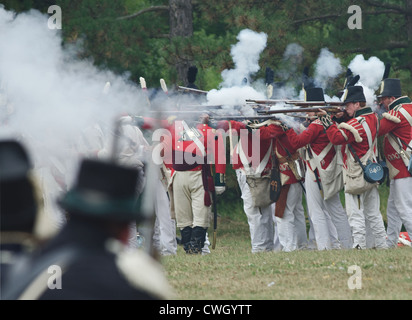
327	68
58	106
54	95
292	58
370	72
245	55
53	102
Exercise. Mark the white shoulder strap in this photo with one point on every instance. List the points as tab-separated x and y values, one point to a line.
196	140
324	152
262	164
371	141
406	115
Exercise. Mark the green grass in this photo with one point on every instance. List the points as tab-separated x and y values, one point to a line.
232	272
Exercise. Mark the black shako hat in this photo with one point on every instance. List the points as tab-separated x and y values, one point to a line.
191	77
14	160
18	206
314	94
390	88
105	190
354	94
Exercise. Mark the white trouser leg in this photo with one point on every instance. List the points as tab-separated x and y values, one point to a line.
292	227
312	238
401	192
333	233
393	219
356	219
167	226
260	220
300	221
317	214
340	220
370	237
372	213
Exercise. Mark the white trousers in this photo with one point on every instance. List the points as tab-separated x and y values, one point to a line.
362	208
399	209
292	226
329	219
164	237
164	233
260	220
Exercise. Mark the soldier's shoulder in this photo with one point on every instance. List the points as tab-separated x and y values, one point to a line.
144	273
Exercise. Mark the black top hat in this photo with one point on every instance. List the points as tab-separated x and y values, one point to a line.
314	94
390	88
18	207
354	94
191	77
269	76
105	191
14	160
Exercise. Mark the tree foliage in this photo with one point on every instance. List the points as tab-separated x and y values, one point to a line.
142	46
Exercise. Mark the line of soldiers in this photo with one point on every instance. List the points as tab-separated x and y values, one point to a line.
329	147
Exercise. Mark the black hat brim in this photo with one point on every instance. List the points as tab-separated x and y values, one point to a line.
121	210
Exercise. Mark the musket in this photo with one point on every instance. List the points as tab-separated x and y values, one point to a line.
241	118
295	102
269	101
199	106
314	109
316	103
214	205
180	113
197	91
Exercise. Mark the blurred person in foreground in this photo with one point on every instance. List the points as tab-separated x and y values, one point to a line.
22	221
87	260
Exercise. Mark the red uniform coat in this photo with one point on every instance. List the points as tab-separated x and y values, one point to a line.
353	132
180	143
394	122
316	137
274	131
255	153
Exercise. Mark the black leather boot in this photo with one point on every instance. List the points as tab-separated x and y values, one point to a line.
198	239
186	234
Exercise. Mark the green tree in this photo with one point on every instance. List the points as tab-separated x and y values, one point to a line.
146	37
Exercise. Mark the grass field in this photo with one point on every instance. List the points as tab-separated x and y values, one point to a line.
232	272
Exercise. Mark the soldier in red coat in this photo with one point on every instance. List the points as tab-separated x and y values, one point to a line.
358	138
396	126
289	212
190	149
323	181
252	160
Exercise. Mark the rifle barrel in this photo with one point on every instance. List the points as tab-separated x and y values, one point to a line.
197	91
269	101
236	118
196	107
314	109
295	102
316	103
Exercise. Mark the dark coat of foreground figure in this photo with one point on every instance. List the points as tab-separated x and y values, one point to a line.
87	259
